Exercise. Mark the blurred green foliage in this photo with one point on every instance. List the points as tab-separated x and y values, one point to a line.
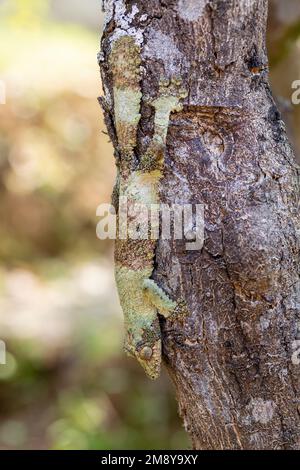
55	167
285	43
69	403
67	384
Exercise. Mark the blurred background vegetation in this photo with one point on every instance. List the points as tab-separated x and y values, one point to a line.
67	384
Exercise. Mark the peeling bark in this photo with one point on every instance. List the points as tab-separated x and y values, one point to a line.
233	359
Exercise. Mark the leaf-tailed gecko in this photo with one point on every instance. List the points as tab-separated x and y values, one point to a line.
138	182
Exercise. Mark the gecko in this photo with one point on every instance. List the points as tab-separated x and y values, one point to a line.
141	298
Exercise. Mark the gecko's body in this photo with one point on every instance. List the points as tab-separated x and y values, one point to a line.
138	183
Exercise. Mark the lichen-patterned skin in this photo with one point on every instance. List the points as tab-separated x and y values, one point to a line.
138	179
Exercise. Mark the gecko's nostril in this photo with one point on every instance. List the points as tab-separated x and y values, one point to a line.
146	353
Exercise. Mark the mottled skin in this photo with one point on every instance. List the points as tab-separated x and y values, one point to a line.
140	297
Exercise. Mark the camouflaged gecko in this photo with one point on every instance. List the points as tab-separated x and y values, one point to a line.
138	179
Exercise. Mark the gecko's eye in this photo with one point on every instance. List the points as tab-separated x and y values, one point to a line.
146	353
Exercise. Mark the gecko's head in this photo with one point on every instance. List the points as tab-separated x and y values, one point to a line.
148	355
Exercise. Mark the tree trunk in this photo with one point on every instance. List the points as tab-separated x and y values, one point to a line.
234	358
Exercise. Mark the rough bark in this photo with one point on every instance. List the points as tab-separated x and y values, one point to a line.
231	358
